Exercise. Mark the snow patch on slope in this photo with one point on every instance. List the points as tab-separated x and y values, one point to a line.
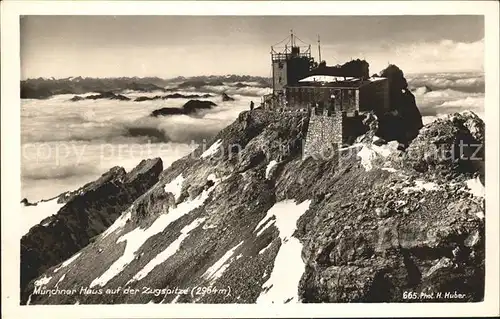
175	299
212	149
370	152
67	262
264	224
263	250
42	281
175	186
421	186
118	224
136	238
60	279
168	252
34	214
475	187
218	268
282	285
269	167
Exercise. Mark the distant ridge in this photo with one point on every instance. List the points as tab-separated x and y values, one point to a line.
41	88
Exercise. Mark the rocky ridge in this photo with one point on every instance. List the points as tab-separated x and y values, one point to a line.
172	96
403	121
86	213
100	96
42	88
190	107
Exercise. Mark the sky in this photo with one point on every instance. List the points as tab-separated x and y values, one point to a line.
169	46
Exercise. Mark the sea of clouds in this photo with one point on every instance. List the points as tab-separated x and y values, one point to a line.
67	144
440	94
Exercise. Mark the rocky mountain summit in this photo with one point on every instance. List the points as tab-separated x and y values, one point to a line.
247	219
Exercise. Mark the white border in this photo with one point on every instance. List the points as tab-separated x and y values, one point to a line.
10	164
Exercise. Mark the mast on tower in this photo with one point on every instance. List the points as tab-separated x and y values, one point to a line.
290	64
319	49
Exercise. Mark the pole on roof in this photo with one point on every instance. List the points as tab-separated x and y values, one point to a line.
319	49
291	37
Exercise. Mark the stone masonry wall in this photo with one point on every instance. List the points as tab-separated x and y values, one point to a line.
324	135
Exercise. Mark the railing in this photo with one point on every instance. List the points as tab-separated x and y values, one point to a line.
287	56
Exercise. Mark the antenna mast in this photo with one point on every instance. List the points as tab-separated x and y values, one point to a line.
291	37
319	49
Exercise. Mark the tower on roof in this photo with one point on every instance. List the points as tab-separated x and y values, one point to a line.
290	63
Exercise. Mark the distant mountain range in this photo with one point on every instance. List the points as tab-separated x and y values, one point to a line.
41	88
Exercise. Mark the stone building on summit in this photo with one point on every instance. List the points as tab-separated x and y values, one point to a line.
339	94
337	98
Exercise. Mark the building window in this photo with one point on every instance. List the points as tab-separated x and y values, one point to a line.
349	99
345	99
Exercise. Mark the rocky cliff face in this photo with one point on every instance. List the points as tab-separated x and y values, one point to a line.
87	212
249	220
404	120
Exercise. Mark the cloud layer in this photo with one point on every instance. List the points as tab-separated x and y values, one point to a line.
423	57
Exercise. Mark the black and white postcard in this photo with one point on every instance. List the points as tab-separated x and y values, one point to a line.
249	159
